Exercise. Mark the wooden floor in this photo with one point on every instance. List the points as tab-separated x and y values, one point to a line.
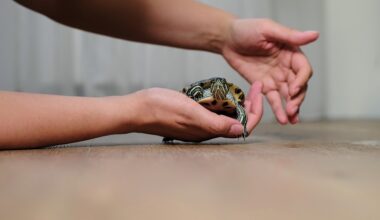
324	170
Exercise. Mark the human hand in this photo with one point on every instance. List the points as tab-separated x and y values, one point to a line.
171	114
262	50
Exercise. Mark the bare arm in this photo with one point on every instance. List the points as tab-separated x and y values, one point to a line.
179	23
258	49
36	120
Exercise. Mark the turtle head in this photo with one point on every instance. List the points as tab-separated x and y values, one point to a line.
219	88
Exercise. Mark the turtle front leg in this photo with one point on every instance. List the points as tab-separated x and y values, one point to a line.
242	117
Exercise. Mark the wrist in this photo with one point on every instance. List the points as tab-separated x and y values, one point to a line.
115	114
219	35
124	113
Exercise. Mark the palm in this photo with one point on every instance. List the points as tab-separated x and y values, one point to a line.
258	57
272	69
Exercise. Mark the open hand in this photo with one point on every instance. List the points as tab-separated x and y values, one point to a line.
171	114
262	50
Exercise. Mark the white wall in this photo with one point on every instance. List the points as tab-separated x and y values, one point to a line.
352	58
39	55
7	46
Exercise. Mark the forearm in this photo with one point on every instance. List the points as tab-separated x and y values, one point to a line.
35	120
179	23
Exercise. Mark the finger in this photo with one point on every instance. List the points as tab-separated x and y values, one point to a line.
294	119
303	72
291	77
221	125
293	105
284	91
256	113
254	105
255	89
247	106
207	123
276	32
275	102
229	127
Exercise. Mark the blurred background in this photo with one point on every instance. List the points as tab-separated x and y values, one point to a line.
39	55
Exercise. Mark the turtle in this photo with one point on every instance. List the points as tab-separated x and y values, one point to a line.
219	96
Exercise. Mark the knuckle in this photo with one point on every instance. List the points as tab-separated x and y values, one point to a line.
218	128
264	24
151	92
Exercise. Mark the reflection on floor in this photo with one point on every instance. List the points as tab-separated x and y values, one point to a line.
322	170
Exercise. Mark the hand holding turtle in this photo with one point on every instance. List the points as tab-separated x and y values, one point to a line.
260	49
172	114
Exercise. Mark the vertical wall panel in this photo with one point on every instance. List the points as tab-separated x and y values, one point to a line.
352	55
42	56
7	46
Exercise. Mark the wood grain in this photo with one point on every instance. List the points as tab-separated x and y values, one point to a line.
321	170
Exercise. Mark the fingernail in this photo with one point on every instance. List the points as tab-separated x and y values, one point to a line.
236	130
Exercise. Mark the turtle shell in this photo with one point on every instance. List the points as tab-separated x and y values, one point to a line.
234	97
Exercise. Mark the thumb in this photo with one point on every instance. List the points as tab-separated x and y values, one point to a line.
278	33
227	127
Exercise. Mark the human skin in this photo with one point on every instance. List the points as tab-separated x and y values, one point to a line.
261	50
258	49
37	120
